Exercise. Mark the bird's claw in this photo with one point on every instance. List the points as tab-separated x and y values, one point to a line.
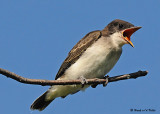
105	84
83	81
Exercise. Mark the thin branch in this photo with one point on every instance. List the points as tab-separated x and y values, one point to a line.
70	82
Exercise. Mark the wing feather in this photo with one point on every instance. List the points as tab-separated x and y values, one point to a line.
78	50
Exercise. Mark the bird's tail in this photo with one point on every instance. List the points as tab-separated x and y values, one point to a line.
54	91
41	103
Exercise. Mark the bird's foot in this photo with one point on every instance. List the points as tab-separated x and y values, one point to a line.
105	84
83	81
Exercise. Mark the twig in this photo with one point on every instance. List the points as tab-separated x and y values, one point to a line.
70	82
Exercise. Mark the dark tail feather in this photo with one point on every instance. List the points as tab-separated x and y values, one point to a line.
41	103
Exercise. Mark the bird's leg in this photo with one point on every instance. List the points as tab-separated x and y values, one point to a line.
83	81
105	84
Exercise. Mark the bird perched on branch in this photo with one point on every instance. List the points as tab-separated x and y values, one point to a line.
92	57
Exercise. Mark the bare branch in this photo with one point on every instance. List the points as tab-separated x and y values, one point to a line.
70	82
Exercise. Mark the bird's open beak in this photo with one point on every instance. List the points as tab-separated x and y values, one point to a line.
128	32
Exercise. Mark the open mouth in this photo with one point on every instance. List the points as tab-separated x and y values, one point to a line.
128	32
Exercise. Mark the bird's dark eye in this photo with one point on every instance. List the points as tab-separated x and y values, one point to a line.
120	26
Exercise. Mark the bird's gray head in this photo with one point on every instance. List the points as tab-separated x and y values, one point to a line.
120	29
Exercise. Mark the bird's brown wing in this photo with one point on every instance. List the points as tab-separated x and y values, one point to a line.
78	50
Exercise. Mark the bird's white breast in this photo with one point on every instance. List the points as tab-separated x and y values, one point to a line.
96	61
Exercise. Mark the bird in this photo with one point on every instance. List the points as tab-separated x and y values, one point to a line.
92	57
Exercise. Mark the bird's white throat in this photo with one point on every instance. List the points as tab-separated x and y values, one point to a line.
117	40
97	60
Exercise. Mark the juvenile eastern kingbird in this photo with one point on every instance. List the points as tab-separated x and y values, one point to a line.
92	57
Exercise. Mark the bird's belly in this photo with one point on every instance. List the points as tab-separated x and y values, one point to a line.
93	64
